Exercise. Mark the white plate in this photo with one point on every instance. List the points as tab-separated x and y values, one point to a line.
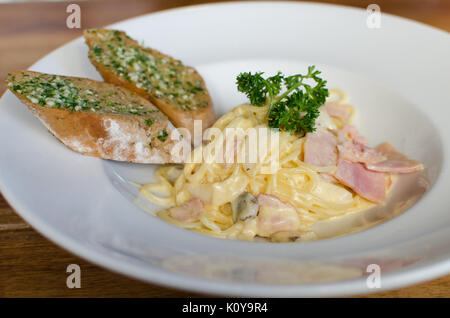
398	78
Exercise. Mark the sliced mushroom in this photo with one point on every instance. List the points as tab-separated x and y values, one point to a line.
245	206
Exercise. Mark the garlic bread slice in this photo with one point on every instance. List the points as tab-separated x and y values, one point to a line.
178	90
96	118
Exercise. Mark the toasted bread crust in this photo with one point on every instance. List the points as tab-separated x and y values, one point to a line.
121	137
179	117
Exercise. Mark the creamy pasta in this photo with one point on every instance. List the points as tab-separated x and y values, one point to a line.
308	190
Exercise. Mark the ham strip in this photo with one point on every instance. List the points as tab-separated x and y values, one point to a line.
275	216
320	148
368	184
357	152
338	110
349	132
188	212
395	162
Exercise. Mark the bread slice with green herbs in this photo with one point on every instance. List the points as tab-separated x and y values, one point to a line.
96	118
178	90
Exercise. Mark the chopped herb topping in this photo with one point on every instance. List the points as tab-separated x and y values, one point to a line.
163	77
149	122
162	135
62	92
97	50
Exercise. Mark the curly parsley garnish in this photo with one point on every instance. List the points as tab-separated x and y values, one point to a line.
296	108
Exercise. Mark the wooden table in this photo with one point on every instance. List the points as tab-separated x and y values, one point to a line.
32	266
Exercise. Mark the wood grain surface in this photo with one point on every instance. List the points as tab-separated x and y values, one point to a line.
32	266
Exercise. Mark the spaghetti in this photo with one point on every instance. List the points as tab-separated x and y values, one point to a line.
295	183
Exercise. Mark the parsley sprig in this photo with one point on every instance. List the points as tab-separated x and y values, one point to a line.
296	108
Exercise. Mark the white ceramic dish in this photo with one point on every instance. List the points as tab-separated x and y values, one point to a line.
397	76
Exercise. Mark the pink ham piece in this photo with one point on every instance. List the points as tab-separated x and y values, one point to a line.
320	148
338	110
395	162
190	211
350	132
368	184
357	152
275	216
